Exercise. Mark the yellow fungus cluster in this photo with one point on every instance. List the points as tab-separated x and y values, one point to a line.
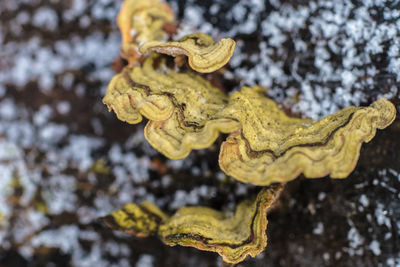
186	112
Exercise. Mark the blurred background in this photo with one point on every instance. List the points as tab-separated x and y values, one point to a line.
65	160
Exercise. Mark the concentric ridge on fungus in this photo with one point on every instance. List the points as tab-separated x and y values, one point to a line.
272	147
232	235
204	55
175	139
138	91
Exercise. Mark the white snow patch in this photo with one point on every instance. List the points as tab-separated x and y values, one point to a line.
45	18
79	150
42	115
60	194
52	133
63	107
355	241
381	215
364	200
8	110
374	246
194	15
319	230
145	260
33	61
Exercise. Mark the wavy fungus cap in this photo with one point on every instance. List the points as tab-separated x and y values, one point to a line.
233	235
272	147
204	55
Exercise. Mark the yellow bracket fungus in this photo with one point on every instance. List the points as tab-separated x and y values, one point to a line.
204	55
182	107
186	112
141	21
272	147
139	220
232	235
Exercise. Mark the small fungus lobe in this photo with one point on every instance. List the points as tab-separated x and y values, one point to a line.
204	55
